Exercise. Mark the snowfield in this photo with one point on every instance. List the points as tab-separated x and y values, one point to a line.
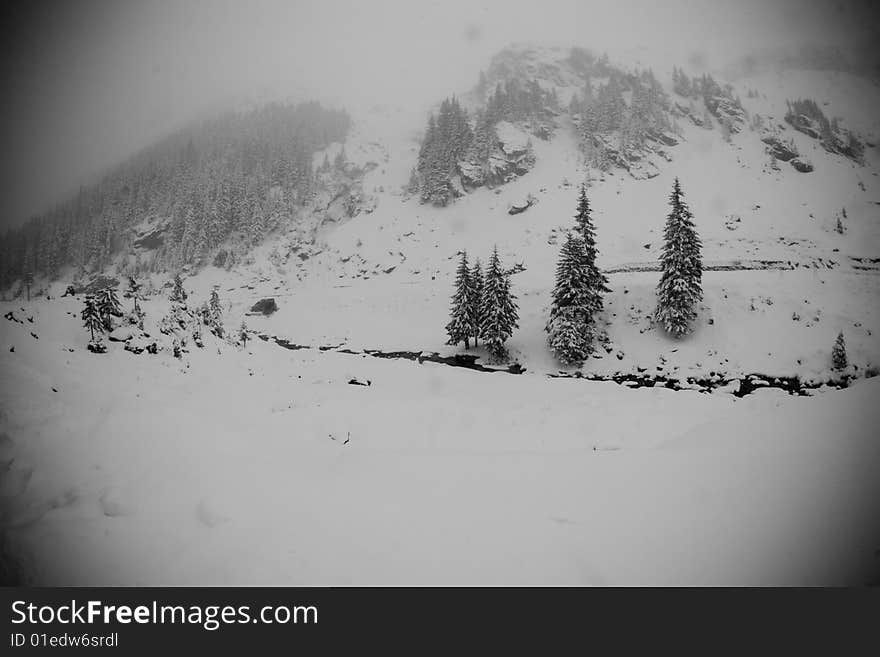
267	466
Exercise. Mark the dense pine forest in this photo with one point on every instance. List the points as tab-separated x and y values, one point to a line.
230	180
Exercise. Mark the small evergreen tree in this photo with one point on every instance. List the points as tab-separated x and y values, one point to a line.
476	300
460	327
133	292
243	333
498	308
838	353
108	307
91	318
680	287
178	293
215	314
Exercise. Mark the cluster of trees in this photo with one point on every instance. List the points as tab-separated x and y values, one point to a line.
483	306
232	179
452	137
704	86
829	132
515	101
604	111
447	138
99	311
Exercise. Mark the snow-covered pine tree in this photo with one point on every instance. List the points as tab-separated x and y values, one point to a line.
597	282
570	324
243	333
498	308
91	318
567	337
460	327
476	301
838	353
215	314
178	293
134	292
108	307
680	287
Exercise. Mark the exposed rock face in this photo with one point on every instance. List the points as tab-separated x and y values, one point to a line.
265	306
97	284
802	164
727	111
512	157
152	239
781	150
834	139
805	124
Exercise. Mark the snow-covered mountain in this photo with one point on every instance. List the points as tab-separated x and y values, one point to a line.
267	463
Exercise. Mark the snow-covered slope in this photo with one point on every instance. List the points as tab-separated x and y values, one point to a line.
264	465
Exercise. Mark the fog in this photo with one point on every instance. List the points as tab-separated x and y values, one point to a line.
88	83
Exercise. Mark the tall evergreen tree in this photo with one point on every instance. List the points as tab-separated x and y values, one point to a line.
91	318
498	308
460	327
597	282
108	307
570	325
476	308
680	287
215	313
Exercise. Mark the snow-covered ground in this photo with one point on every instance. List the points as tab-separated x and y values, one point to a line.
266	466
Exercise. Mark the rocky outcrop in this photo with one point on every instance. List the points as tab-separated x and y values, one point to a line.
522	205
265	306
805	124
780	149
802	164
728	111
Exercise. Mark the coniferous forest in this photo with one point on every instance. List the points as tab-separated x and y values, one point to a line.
233	179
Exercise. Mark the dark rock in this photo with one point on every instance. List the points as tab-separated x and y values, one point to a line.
70	291
152	240
356	382
783	151
265	306
521	206
802	165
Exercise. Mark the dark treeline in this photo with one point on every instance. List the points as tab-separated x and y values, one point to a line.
231	179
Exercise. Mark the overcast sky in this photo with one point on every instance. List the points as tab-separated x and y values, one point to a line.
87	83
